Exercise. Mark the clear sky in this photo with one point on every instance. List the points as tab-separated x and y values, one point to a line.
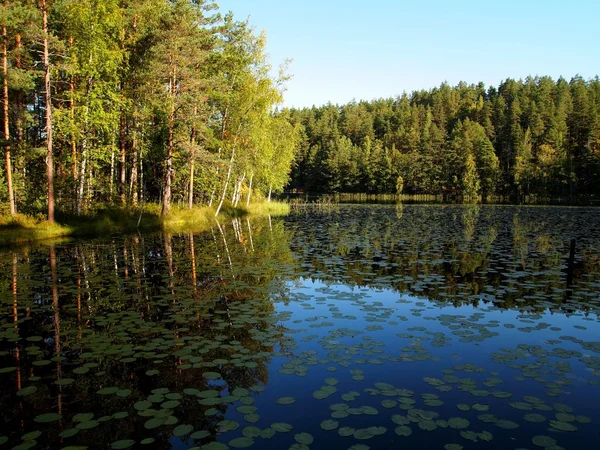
344	50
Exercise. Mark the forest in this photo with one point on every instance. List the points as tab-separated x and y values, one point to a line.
533	138
128	102
121	102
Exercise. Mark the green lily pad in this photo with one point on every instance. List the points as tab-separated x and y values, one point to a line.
543	441
182	430
346	431
329	425
304	438
286	400
125	443
241	442
458	423
48	417
403	430
27	391
562	426
282	427
153	423
534	417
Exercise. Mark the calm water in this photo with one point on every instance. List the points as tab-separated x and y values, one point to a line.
370	326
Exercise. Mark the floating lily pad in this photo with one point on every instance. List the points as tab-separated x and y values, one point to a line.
329	425
403	430
241	442
304	438
286	400
125	443
282	427
182	430
27	391
543	441
48	417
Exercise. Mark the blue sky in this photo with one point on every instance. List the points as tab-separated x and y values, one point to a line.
344	50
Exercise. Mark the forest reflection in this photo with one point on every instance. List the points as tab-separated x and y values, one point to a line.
109	323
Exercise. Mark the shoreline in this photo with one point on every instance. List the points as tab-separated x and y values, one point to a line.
25	229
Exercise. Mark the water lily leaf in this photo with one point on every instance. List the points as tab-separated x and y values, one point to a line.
27	391
363	433
83	417
282	427
241	442
214	446
48	417
182	430
211	375
329	425
304	438
32	435
403	430
534	417
251	432
507	424
543	441
562	426
125	443
458	423
346	431
153	423
286	400
69	432
88	425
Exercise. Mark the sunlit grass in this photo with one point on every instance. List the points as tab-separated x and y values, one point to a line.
106	221
22	228
268	208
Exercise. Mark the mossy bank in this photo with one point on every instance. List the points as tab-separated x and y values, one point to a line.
112	220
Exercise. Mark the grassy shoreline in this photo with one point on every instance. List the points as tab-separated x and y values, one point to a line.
113	220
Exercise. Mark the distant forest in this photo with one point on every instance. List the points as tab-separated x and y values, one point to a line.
533	137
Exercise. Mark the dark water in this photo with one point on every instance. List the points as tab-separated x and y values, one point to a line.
368	326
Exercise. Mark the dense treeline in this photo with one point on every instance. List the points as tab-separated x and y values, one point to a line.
130	101
533	137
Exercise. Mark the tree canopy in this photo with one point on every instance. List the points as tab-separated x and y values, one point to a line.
137	100
535	136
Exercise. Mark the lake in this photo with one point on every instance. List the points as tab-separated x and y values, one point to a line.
363	326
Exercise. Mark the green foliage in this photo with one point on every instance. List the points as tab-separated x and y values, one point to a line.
528	137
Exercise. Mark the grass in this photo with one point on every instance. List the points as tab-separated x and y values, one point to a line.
106	221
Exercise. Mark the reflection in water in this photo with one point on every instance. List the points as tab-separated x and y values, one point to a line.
239	334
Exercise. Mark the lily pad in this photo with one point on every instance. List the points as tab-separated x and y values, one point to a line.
48	417
329	425
304	438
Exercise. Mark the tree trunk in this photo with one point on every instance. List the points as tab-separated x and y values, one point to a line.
122	179
191	188
249	190
82	176
11	195
270	190
112	174
192	162
226	182
73	138
238	193
49	155
166	206
19	95
167	189
133	181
